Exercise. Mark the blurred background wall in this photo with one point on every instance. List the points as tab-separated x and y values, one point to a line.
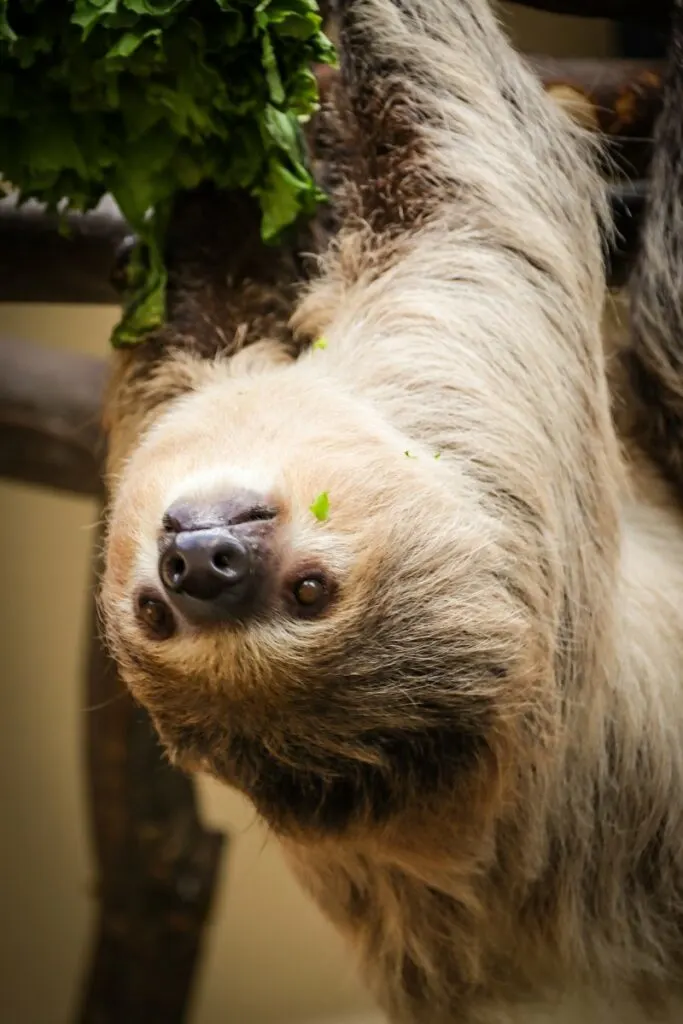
270	958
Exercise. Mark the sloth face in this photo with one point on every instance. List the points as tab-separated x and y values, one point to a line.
308	612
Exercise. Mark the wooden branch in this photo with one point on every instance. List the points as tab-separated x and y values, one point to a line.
39	263
157	865
50	417
614	10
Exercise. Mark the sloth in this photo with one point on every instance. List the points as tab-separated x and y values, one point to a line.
378	557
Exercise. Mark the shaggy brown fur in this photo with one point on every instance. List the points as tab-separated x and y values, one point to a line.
474	758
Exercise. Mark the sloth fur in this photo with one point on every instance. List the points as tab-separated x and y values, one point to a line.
473	758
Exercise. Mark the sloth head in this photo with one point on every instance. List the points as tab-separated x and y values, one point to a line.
310	611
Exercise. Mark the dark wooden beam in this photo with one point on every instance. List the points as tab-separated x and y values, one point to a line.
40	263
50	407
157	865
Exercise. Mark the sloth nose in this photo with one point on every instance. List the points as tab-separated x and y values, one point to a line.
205	563
213	559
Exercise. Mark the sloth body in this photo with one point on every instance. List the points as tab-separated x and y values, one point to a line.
469	743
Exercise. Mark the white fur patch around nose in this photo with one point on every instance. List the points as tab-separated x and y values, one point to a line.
213	482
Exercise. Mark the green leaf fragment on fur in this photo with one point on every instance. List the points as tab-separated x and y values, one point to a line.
321	507
320	343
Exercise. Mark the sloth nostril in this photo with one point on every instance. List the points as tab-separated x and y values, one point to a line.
221	560
173	570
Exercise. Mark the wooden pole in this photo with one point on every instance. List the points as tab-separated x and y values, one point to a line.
157	866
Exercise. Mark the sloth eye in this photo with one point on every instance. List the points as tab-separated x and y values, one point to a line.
155	616
311	594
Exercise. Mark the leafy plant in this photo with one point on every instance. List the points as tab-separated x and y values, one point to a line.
144	98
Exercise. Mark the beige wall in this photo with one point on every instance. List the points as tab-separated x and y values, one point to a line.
270	958
535	32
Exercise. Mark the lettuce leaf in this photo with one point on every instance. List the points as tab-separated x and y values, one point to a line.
143	98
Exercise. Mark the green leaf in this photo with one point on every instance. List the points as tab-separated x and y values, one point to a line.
320	343
130	41
145	308
7	35
277	92
279	200
281	129
321	507
89	12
